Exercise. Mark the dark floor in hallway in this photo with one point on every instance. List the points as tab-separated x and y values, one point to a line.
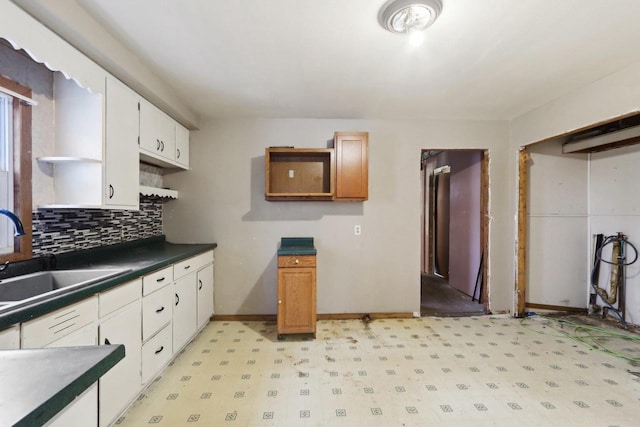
439	298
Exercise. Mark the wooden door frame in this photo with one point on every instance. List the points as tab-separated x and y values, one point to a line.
484	218
521	246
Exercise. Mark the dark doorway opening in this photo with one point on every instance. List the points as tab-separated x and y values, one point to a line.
454	232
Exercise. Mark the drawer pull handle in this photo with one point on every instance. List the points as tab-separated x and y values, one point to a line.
161	309
177	299
200	287
106	341
297	261
186	267
160	349
160	280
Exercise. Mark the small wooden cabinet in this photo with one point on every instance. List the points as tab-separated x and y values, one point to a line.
299	173
296	294
338	174
352	165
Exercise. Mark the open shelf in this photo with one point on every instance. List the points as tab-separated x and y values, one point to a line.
299	174
162	193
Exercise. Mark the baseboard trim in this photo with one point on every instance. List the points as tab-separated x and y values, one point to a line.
349	316
556	308
326	316
244	317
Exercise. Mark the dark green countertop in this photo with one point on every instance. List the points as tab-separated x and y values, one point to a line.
140	257
39	383
297	246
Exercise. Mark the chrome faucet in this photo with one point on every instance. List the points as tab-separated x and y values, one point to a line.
16	221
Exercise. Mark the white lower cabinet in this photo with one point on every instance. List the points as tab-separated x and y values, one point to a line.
10	338
44	330
83	411
153	317
156	353
120	385
156	311
205	295
184	313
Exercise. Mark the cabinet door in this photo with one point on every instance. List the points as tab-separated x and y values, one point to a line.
182	146
184	310
10	338
83	411
296	300
122	157
352	166
205	295
157	132
120	385
156	353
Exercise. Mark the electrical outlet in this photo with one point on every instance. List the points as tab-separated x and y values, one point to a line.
291	173
357	230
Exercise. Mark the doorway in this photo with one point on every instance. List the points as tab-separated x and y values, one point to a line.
454	232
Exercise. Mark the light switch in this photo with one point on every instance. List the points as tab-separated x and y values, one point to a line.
290	173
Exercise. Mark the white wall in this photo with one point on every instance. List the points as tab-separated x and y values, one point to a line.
613	96
558	227
615	207
222	200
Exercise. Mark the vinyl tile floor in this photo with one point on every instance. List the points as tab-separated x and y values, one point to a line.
466	371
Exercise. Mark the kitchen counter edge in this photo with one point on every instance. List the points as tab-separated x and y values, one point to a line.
140	259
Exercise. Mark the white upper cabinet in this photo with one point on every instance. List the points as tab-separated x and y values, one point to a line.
96	149
182	146
121	168
158	138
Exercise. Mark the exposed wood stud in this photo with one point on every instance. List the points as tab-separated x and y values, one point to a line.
521	268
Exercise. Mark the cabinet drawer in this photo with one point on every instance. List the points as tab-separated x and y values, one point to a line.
156	353
195	263
120	296
53	326
296	261
157	280
157	310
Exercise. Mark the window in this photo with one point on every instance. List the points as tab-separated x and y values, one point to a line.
15	170
6	169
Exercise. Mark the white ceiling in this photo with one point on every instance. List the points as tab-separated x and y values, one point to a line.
482	59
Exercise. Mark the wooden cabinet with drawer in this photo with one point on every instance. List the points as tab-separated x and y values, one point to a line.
296	294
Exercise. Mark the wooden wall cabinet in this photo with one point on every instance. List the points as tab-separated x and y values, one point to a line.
299	174
333	174
296	294
352	166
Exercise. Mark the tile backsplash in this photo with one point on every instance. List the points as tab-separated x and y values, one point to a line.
57	231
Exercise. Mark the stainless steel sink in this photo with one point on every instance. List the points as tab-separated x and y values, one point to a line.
40	285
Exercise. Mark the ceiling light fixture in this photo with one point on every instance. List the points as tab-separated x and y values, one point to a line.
409	16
